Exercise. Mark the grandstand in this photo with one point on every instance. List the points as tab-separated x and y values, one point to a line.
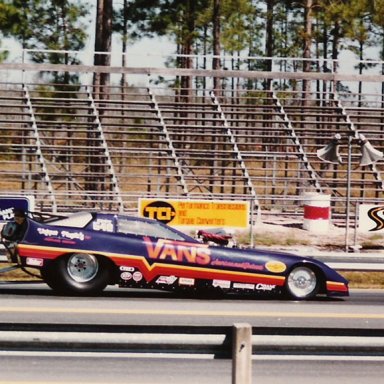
73	148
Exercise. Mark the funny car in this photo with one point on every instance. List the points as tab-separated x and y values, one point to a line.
83	252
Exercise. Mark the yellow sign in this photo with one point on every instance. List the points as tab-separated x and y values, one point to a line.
197	213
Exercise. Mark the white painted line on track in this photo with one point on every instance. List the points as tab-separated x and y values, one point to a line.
317	358
114	355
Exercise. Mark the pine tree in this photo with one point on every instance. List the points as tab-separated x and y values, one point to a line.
54	25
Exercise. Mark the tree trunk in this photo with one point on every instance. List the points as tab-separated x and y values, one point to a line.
187	50
124	45
103	39
307	49
216	44
269	46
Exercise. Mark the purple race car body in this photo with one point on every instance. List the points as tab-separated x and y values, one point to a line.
86	251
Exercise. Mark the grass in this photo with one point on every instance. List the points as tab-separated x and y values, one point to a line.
371	280
271	239
17	274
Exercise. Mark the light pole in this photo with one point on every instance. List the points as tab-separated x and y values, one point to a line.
330	154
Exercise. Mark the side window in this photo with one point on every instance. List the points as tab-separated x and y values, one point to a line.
132	227
144	228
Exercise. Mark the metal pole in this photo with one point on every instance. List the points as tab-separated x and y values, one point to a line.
355	245
251	229
348	197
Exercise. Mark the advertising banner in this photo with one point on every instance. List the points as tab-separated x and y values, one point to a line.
197	213
371	218
9	203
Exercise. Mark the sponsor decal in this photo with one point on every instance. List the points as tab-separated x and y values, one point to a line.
169	280
51	233
178	251
160	210
186	281
240	265
265	287
221	283
72	235
51	240
128	269
6	214
137	276
275	266
103	225
126	276
33	261
47	232
244	286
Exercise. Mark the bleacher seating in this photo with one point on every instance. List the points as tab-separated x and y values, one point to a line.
72	149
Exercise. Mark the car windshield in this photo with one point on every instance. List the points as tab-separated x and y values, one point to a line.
145	228
77	220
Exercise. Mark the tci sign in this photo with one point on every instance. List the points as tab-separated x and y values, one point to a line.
159	210
8	204
197	213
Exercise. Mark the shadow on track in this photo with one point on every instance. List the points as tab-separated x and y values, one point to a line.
23	288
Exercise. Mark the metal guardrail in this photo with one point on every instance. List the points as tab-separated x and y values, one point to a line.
236	343
239	342
209	340
218	345
345	261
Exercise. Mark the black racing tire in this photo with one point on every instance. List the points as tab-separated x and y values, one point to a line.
78	274
302	283
49	276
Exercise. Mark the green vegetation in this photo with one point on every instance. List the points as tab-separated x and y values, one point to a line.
309	28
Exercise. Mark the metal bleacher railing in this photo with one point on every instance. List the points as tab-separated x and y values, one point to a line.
72	149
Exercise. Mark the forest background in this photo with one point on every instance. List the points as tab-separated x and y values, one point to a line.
307	29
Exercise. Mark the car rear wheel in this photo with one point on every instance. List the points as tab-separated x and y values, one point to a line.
302	283
78	273
82	267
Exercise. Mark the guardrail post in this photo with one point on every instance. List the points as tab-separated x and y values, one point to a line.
242	354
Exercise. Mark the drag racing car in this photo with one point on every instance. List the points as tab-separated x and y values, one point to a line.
83	252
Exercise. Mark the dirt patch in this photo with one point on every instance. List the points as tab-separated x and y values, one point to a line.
290	234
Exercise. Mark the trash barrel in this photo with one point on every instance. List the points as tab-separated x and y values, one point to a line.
317	212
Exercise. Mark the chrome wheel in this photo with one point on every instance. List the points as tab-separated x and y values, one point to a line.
302	283
82	267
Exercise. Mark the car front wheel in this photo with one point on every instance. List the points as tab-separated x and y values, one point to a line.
78	273
302	283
